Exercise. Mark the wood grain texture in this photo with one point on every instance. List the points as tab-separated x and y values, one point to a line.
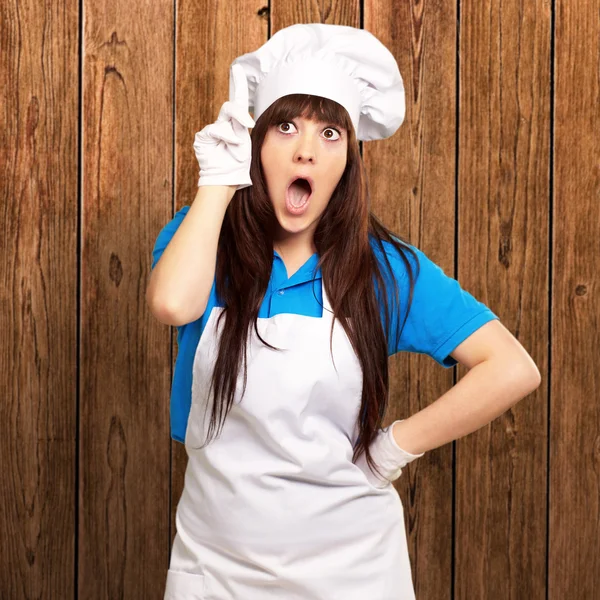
38	298
503	186
494	174
574	466
125	354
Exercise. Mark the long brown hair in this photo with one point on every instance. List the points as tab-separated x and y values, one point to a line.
346	258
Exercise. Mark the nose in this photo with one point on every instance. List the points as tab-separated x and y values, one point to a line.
303	157
305	150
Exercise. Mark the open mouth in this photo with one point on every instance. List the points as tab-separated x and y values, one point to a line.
303	184
297	197
298	193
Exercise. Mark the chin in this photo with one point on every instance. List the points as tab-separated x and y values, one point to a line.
294	225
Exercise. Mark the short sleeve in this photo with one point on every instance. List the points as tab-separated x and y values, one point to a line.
166	233
442	314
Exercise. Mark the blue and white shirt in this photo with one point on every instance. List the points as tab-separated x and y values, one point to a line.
442	314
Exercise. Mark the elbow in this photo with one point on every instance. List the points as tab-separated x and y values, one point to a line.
526	377
536	377
168	312
516	377
536	380
529	379
162	309
521	368
168	315
530	374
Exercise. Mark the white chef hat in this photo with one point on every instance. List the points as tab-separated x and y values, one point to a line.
345	64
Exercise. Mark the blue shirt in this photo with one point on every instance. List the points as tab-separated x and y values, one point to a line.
442	314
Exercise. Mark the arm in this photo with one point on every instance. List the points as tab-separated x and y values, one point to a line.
501	373
180	282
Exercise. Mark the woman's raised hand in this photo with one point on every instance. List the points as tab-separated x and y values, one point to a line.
223	148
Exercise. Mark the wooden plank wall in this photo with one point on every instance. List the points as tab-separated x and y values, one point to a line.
495	175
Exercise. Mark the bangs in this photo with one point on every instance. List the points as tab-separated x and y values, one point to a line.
315	108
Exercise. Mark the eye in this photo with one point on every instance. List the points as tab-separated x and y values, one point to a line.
334	129
327	137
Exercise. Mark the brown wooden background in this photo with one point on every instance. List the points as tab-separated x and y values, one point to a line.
495	174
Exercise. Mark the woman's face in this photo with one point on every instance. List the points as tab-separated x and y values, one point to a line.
309	148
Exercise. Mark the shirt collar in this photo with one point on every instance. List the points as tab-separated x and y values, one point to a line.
305	273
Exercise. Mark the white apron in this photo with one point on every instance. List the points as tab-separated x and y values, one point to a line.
274	508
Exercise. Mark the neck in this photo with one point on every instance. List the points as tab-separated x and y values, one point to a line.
293	247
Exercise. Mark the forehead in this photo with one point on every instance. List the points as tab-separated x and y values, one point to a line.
314	120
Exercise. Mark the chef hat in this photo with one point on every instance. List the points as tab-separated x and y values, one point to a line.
345	64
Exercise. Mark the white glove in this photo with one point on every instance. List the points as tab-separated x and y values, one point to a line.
388	456
224	149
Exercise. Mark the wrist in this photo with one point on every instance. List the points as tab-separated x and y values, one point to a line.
398	440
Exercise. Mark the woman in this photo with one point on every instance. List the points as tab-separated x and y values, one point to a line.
289	298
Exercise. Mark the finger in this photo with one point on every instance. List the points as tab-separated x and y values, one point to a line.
240	130
238	86
221	130
233	110
238	153
224	131
238	93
